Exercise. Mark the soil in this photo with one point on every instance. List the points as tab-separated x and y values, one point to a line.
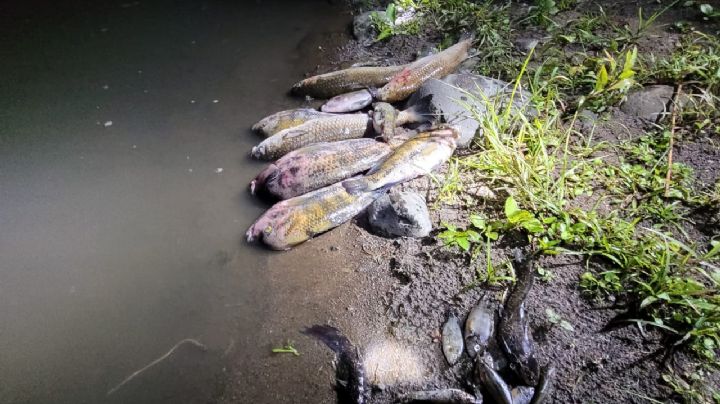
396	293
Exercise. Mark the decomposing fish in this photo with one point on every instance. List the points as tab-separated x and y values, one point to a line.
416	73
290	118
452	339
298	219
348	102
318	165
492	381
479	328
386	118
514	335
544	386
444	396
418	156
349	371
522	394
330	129
342	81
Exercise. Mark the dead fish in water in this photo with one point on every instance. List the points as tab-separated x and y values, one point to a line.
445	396
349	371
418	156
298	219
479	328
452	340
342	81
544	386
492	381
318	165
522	394
290	118
414	75
513	332
330	129
386	118
348	102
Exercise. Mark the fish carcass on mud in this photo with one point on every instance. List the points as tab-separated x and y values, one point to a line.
342	81
287	119
416	157
298	219
318	165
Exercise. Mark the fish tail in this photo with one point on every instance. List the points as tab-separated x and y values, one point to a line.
356	186
330	336
423	111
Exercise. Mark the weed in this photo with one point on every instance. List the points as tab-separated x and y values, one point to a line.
287	348
556	319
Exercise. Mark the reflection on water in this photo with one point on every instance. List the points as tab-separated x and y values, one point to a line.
123	169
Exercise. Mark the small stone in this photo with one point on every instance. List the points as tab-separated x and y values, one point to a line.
363	29
651	102
216	101
108	124
218	170
401	214
525	45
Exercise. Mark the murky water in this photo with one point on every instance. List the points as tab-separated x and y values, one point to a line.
123	143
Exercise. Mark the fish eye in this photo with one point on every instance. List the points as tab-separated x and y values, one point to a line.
268	230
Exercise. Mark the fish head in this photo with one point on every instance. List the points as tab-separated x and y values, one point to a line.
384	117
265	179
258	151
265	124
266	226
286	230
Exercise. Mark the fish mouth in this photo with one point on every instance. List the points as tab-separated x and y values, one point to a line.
252	187
251	235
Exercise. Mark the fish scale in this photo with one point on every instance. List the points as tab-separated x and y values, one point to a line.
342	81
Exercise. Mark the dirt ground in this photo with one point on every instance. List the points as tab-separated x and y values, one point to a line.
396	293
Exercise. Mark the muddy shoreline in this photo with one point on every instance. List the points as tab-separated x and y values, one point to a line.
391	295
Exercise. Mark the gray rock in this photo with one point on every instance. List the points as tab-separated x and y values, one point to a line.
363	29
525	45
400	214
450	93
649	103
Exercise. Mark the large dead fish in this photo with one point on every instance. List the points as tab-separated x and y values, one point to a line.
342	81
349	371
418	156
298	219
405	82
330	129
318	165
290	118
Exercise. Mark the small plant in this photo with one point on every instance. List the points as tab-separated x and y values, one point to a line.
287	348
708	11
389	24
556	319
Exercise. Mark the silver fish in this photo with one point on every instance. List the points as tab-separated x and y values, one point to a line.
452	340
348	102
479	328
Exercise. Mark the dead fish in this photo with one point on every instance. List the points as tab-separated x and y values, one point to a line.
513	332
479	328
329	129
318	165
544	386
348	102
416	73
349	371
452	340
298	219
492	381
342	81
418	156
290	118
522	394
386	118
445	396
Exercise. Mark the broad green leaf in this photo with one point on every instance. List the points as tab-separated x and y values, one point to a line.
566	325
706	9
390	13
533	226
602	79
630	58
511	207
463	243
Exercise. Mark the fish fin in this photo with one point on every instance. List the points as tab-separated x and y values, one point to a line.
355	186
373	92
330	336
422	111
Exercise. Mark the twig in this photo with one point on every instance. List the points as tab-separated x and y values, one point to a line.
156	361
673	116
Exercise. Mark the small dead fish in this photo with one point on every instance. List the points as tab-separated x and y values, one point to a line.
349	371
290	118
348	102
298	219
386	118
318	165
416	73
452	340
513	331
522	394
342	81
479	328
418	156
445	396
329	129
492	381
545	385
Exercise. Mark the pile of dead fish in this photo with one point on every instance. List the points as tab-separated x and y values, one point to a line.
331	164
